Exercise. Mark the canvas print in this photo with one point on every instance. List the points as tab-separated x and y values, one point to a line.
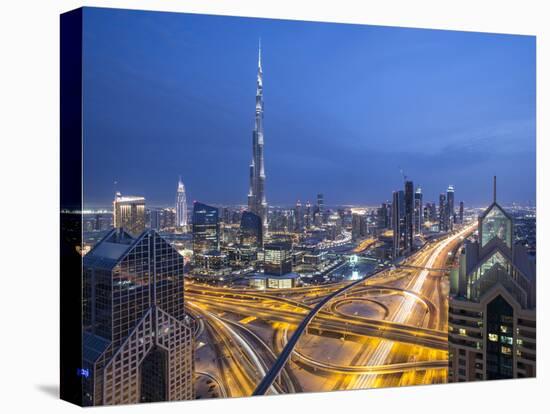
258	206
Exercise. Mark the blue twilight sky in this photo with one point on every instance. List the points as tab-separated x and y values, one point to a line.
346	108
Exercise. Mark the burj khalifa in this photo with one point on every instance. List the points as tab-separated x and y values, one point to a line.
256	194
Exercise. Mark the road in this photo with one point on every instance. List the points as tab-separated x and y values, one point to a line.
386	330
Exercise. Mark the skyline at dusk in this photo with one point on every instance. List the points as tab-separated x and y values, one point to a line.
167	96
281	207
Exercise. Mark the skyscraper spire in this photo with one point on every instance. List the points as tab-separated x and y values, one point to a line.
260	54
256	195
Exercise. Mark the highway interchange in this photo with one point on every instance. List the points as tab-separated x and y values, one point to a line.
389	329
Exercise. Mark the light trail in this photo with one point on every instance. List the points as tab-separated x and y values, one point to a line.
404	311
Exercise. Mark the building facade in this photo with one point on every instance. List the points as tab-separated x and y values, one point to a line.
206	229
251	234
137	341
129	213
492	309
278	258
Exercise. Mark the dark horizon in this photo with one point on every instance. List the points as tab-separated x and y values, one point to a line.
347	108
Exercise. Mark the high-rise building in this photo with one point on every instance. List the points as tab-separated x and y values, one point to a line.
278	258
398	223
137	341
257	202
181	206
299	216
383	217
433	213
492	308
409	215
443	211
359	225
129	213
206	229
418	213
321	203
307	216
451	213
461	213
251	230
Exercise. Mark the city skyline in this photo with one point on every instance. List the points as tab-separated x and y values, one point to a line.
358	175
321	234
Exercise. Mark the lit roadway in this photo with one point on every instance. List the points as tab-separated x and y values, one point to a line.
389	329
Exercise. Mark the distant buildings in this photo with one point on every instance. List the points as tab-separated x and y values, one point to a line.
162	218
181	207
492	316
461	213
129	213
137	345
257	203
206	229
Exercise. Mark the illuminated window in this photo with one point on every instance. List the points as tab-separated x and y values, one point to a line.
462	332
503	329
493	337
520	341
505	350
507	340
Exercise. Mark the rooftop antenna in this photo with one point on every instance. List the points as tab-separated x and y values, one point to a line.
494	189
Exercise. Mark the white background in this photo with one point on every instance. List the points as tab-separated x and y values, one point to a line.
29	193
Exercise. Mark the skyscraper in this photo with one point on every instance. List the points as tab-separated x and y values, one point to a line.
181	206
398	223
409	215
251	230
206	229
451	214
137	344
443	213
257	202
129	213
359	227
461	213
418	211
307	215
299	216
492	308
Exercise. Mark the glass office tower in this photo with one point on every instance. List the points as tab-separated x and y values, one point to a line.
137	341
206	228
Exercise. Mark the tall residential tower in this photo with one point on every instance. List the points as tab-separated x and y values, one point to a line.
257	203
